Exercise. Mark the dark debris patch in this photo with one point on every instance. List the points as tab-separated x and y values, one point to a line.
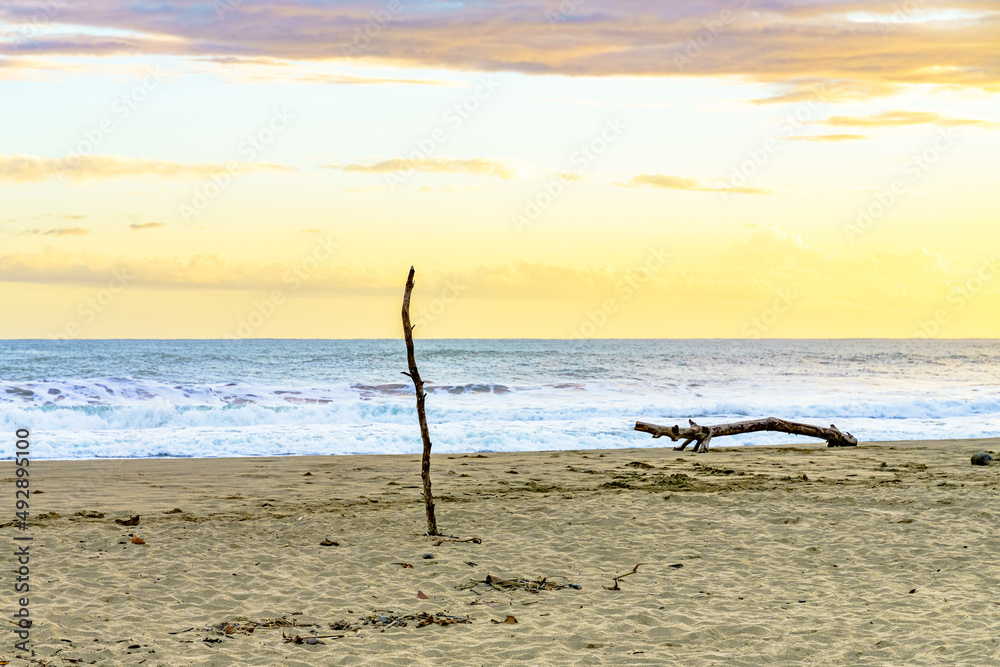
529	585
383	620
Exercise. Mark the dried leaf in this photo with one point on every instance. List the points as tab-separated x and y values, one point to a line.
404	565
137	540
134	521
509	619
422	595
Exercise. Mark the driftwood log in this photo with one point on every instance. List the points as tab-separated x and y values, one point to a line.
702	435
418	386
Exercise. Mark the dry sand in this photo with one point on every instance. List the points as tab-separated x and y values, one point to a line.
880	555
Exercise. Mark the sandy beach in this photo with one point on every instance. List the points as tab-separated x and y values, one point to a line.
878	555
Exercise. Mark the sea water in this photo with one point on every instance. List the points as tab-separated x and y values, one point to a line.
87	399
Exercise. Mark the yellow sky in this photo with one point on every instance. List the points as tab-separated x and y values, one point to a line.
574	169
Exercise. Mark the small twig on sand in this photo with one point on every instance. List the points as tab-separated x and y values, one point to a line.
473	540
616	587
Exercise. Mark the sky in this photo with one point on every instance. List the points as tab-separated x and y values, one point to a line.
553	169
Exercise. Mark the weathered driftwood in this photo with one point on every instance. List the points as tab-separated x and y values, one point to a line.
702	435
418	386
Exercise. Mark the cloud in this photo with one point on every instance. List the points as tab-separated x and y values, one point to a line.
827	91
828	137
32	168
289	71
899	118
864	50
475	187
666	182
772	239
56	231
208	271
138	227
745	271
432	165
367	188
60	216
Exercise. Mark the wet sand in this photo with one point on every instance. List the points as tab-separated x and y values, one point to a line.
881	554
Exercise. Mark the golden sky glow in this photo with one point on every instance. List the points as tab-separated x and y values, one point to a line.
552	169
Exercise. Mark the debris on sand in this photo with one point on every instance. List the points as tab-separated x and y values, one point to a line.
245	627
383	620
532	586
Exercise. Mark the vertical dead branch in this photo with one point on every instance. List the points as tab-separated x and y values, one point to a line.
418	386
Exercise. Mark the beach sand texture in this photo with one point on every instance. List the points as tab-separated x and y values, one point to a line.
880	555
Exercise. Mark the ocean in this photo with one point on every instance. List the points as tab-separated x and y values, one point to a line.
89	399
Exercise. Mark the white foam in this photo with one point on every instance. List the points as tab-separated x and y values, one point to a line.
175	398
111	417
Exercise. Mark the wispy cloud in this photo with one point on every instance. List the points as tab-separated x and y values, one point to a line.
815	88
204	271
32	168
46	216
827	137
667	182
433	165
56	231
899	118
474	187
138	227
251	69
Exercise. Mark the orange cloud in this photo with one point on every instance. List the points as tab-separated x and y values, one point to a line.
899	118
829	137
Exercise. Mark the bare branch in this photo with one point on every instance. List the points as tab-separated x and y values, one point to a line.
414	374
702	435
